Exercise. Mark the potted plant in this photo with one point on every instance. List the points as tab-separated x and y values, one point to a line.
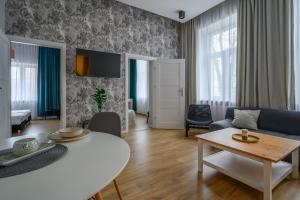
100	97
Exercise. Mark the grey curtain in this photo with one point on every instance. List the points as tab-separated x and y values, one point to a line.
265	62
188	52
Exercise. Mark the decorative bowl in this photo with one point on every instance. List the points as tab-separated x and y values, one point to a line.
25	146
71	132
248	139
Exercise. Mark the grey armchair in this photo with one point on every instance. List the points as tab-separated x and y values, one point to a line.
199	116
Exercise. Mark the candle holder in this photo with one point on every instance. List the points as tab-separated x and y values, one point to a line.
245	134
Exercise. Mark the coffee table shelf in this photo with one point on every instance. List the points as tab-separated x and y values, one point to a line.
248	171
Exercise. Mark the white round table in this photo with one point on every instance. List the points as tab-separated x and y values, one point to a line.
89	165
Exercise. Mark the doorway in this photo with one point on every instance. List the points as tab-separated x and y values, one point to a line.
138	95
37	86
166	88
138	92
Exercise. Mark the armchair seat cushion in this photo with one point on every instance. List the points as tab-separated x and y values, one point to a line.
198	123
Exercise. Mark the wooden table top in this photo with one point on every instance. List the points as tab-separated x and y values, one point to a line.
268	147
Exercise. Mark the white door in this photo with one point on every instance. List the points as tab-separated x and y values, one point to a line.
5	124
168	84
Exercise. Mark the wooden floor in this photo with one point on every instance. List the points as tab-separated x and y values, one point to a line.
163	165
41	126
140	123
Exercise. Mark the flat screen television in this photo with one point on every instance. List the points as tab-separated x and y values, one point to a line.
97	64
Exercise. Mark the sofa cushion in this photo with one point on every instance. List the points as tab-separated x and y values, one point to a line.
275	120
222	124
230	111
280	121
294	137
246	118
273	133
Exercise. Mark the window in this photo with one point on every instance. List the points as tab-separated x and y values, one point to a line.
24	68
216	60
142	86
23	82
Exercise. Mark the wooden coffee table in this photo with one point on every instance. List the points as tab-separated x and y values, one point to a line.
258	165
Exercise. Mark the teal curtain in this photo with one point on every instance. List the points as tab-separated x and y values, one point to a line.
133	77
48	81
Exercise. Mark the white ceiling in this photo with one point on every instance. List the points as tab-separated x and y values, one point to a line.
170	8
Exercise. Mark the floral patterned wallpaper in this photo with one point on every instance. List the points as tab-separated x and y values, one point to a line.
104	25
2	14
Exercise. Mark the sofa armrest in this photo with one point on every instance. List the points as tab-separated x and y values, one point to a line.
222	124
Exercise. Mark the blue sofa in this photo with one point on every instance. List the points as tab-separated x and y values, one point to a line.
281	123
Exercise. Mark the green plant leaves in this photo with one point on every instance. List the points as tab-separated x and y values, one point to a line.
100	97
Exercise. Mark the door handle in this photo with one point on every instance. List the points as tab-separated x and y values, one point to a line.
181	91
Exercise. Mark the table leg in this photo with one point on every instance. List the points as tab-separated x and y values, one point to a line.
295	163
200	156
267	180
117	188
99	196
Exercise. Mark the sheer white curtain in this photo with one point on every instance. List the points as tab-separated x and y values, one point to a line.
216	59
142	86
24	77
297	51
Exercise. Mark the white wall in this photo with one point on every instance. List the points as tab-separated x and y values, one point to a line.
2	15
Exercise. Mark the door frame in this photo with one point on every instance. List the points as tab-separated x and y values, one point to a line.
8	87
62	47
127	58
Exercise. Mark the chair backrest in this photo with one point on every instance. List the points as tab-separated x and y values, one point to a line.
106	122
199	112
